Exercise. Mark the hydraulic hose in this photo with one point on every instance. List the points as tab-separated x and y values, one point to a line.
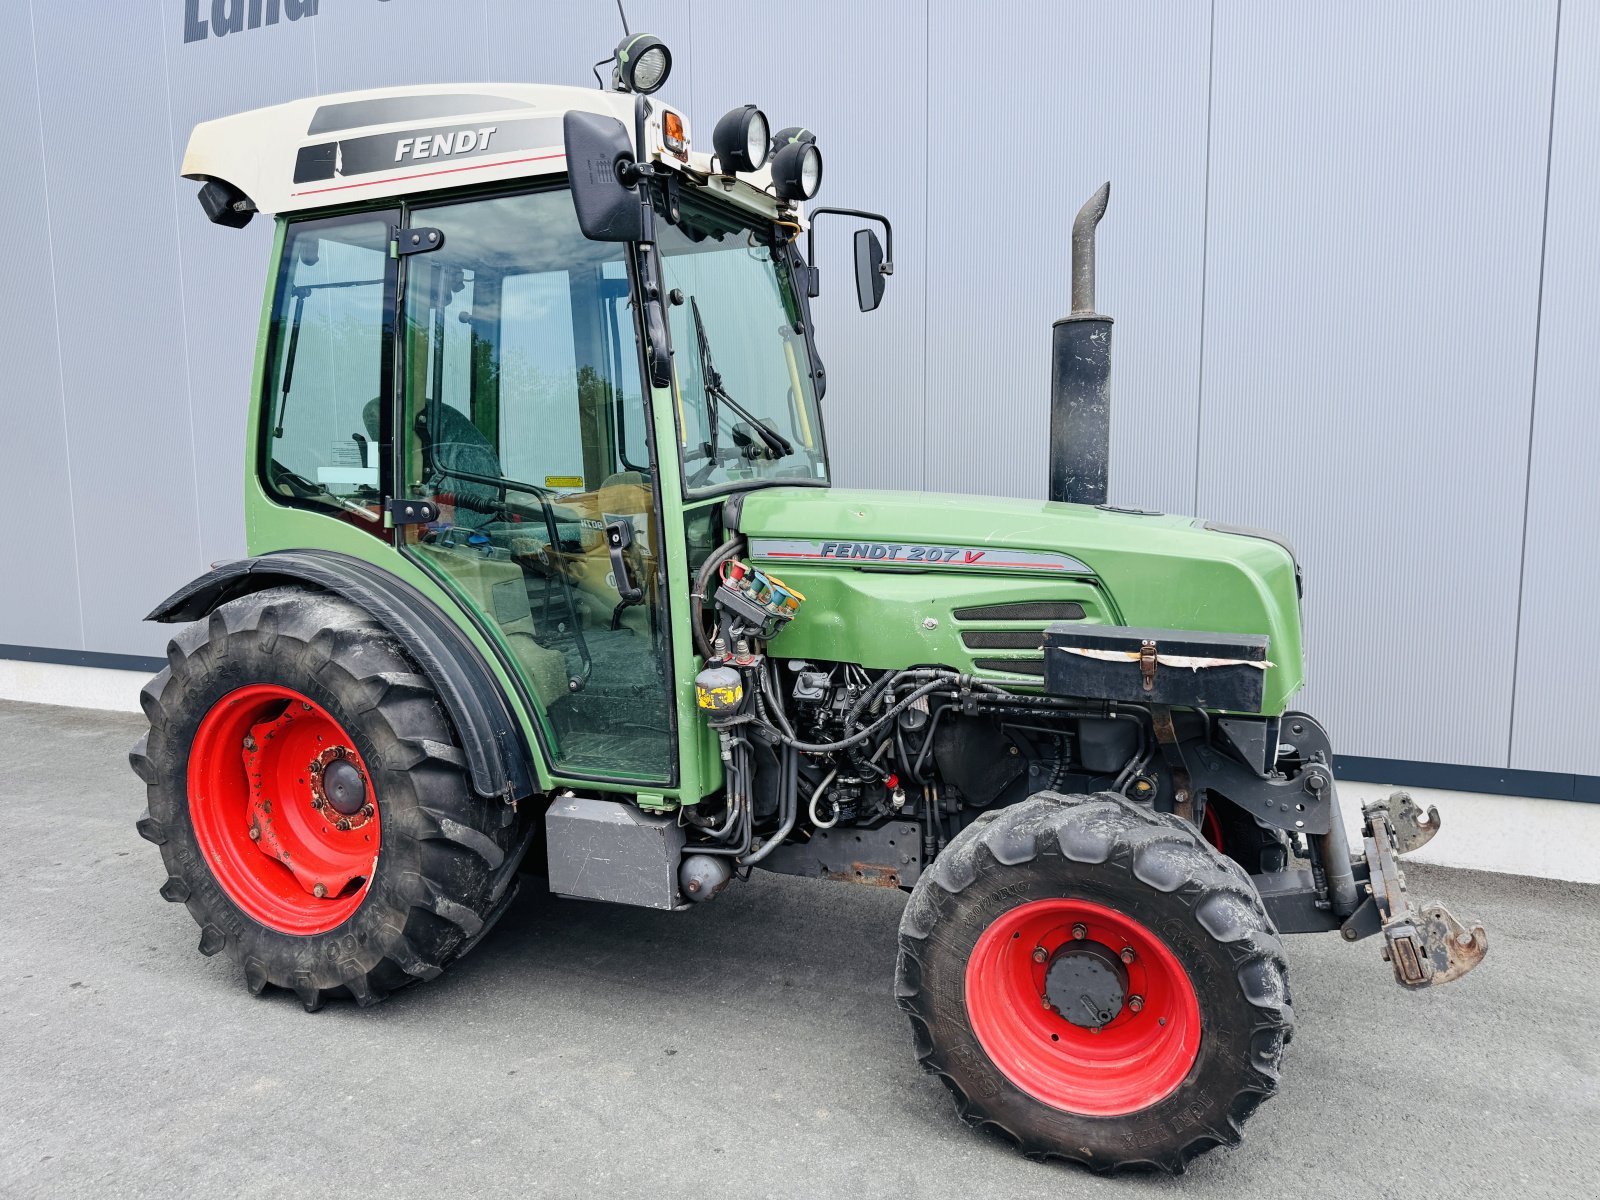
790	806
697	596
738	810
866	732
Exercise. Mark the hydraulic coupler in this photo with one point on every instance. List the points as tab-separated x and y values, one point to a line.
1426	947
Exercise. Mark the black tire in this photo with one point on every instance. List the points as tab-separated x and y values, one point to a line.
442	875
1154	867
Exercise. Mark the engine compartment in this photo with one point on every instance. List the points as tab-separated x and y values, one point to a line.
865	774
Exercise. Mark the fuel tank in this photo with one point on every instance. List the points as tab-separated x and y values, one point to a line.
899	579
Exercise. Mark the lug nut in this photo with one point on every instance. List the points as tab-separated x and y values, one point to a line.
367	811
255	833
249	742
1128	954
1135	1003
1040	954
1080	931
319	891
343	824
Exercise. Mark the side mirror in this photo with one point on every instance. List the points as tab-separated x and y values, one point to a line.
874	263
605	189
869	270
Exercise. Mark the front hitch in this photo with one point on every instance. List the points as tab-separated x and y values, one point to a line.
1426	947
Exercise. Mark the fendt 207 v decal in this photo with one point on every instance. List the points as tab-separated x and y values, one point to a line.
910	554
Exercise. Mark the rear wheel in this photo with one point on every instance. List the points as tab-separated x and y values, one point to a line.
311	804
1094	981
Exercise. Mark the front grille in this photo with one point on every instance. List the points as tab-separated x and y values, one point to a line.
1003	639
1017	666
1023	610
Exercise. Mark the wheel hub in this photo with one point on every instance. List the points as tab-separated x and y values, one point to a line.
337	784
1087	984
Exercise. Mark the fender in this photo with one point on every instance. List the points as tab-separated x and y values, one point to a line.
498	757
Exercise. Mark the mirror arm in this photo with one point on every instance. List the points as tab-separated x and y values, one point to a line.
887	268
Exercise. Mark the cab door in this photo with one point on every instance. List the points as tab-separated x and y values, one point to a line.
522	418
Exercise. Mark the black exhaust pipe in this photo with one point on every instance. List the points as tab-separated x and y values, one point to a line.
1080	376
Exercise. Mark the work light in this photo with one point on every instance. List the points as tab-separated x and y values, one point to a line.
797	169
643	64
740	139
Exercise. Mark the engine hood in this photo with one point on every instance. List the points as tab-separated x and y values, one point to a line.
903	578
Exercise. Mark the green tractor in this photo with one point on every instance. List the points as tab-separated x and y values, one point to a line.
548	579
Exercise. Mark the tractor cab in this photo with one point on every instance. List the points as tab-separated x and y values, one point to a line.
459	355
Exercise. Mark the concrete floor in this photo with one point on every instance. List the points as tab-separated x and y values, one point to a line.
747	1049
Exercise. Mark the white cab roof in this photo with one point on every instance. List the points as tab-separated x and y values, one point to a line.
355	146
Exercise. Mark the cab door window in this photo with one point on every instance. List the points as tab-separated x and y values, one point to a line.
323	445
524	420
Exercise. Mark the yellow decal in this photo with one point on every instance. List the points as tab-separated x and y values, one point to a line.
563	481
720	698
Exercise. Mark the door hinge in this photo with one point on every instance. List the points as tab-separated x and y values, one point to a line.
403	242
411	512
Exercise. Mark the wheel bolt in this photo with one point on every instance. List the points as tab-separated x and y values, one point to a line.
319	891
249	742
1128	954
1080	931
367	811
343	824
1045	1000
1135	1003
255	833
1040	954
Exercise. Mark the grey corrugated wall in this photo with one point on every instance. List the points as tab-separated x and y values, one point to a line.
1351	253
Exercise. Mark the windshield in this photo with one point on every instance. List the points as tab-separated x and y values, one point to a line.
746	408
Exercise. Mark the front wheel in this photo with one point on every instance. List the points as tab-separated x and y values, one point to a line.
1094	981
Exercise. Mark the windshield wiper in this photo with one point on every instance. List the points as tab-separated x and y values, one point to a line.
712	379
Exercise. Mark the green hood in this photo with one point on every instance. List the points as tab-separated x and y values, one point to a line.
895	579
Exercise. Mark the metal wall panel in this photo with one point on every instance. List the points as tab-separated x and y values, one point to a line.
367	45
864	95
222	269
108	152
1553	728
39	605
1323	254
1376	195
1029	112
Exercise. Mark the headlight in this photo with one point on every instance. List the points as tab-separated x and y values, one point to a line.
797	171
740	139
643	63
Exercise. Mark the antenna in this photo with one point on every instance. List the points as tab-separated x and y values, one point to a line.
626	32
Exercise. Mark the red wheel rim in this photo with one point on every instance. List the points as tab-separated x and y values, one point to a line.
269	832
1135	1060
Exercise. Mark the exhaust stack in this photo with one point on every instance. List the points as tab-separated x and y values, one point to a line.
1080	376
